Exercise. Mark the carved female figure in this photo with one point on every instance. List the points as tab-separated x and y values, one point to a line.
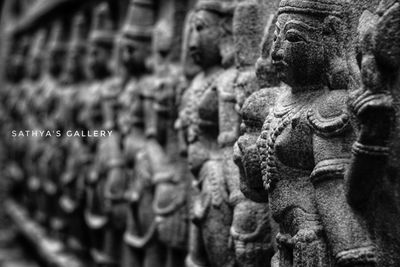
198	121
305	141
134	187
99	113
70	186
170	179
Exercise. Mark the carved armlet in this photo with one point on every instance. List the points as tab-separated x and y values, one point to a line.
171	178
190	262
34	183
227	96
140	242
67	204
101	258
95	221
329	169
367	99
92	178
357	257
328	115
372	151
263	229
162	108
328	126
50	188
115	163
165	177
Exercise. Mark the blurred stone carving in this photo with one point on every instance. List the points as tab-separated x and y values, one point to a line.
373	167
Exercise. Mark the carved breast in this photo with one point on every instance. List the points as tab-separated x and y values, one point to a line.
287	158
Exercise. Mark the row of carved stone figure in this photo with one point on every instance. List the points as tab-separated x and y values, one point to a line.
221	153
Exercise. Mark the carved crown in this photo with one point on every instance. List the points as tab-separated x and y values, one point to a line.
57	37
38	43
223	7
140	20
103	25
79	31
315	7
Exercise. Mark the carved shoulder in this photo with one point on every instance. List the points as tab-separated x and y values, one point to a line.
328	115
257	106
112	88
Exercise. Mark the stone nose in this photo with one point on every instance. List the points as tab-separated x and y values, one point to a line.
277	54
193	41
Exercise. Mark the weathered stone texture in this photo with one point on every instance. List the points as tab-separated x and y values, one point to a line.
240	132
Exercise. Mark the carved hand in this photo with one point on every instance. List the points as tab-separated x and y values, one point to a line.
373	103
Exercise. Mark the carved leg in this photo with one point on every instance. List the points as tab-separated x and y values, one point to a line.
113	244
251	234
154	255
175	258
348	238
197	254
131	257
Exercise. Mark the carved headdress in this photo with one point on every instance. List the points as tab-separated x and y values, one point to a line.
315	7
248	28
224	7
343	70
103	30
79	32
140	20
38	44
57	37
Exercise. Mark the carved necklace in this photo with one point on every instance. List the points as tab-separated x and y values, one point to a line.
267	140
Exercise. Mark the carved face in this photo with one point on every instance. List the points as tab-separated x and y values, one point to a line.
133	56
298	50
15	69
98	60
34	67
204	39
55	61
75	62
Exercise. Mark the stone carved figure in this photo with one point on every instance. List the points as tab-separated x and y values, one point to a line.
305	141
372	176
98	113
70	185
170	178
210	45
13	169
251	229
17	154
52	159
134	188
32	87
